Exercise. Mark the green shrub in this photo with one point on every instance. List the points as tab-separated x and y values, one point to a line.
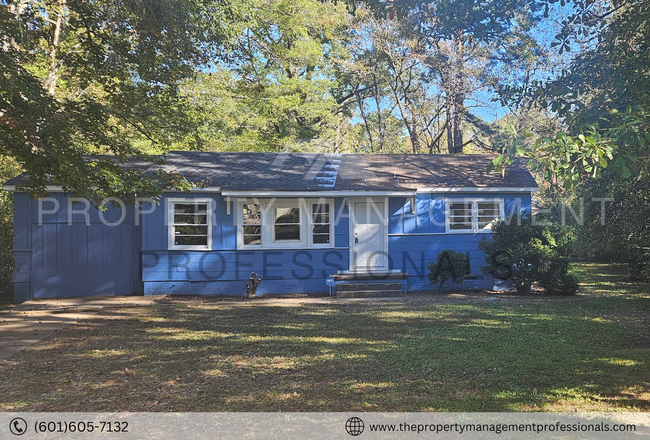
556	279
638	264
8	169
449	265
527	254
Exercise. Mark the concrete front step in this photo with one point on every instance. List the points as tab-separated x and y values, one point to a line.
368	293
370	277
355	287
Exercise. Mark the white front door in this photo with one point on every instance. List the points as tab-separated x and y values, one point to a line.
368	235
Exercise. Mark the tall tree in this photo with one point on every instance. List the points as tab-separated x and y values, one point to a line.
469	43
86	77
279	89
437	56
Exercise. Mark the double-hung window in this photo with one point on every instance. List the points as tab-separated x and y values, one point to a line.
252	224
190	224
284	223
473	215
321	224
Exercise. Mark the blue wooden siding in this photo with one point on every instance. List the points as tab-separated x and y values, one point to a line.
416	239
224	230
430	214
60	259
222	270
23	247
65	253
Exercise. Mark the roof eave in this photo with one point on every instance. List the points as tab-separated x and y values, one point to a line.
477	189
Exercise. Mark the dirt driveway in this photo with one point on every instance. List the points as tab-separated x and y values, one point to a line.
27	323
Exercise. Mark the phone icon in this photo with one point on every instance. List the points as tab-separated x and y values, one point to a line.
18	426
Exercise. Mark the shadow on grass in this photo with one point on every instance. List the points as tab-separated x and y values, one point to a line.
607	279
519	354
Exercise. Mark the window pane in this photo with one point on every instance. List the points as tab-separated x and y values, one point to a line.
321	238
191	230
191	241
190	224
252	230
190	208
252	218
321	229
321	218
460	216
192	219
320	213
488	214
252	214
287	232
252	239
320	208
287	215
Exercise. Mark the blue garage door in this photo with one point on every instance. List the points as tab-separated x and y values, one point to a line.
82	260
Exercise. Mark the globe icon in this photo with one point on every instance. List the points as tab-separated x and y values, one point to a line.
354	426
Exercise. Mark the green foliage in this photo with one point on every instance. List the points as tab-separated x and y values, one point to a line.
527	254
556	278
91	77
602	150
422	61
280	89
622	235
449	265
8	169
602	97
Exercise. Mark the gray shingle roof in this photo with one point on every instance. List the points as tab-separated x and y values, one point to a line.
343	172
339	172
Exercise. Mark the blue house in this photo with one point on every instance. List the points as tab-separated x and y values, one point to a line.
293	219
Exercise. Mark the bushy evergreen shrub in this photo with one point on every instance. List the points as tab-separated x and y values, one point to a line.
449	265
527	254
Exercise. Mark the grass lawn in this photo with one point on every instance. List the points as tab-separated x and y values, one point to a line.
460	352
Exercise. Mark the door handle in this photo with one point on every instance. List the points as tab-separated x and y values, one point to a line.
356	239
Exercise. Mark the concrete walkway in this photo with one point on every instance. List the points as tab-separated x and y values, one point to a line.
25	324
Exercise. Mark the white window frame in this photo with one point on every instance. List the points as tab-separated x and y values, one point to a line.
267	211
474	203
240	224
310	223
268	224
170	202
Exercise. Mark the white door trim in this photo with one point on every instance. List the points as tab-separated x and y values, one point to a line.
385	219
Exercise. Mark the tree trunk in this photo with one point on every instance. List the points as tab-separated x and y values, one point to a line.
410	125
459	95
450	127
366	123
380	121
459	113
53	69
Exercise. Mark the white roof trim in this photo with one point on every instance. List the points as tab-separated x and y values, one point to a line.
206	189
316	194
475	189
48	188
52	188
